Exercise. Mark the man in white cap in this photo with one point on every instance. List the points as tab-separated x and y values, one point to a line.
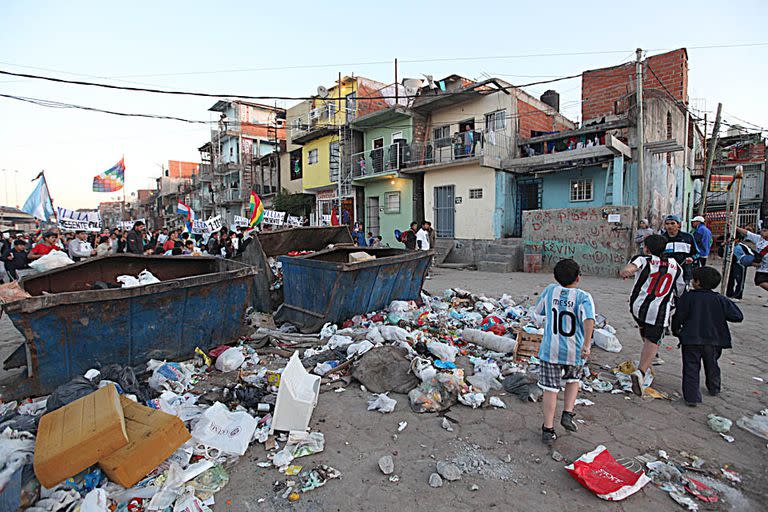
703	237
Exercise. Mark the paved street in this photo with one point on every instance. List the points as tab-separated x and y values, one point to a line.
519	473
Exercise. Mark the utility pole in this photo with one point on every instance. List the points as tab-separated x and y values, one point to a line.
710	159
640	133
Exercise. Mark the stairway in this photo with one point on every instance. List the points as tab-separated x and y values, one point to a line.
502	256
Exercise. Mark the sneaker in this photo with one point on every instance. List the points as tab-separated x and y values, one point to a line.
567	422
765	305
548	435
648	379
637	382
691	404
736	300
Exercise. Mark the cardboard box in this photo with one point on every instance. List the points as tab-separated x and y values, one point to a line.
153	436
357	257
79	435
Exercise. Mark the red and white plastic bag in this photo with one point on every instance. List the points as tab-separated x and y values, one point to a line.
599	472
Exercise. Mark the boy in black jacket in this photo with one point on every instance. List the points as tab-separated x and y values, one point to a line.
701	324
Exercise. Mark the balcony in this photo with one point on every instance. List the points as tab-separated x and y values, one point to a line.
318	122
379	161
231	195
578	156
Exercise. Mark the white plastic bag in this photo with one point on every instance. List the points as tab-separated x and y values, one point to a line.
146	277
128	281
442	351
381	403
328	330
358	349
606	340
52	260
473	400
400	306
230	360
95	501
230	432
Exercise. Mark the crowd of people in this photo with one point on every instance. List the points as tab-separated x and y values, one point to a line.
17	252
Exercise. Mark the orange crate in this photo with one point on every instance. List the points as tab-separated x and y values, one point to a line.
527	344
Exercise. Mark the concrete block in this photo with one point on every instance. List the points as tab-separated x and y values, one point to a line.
494	266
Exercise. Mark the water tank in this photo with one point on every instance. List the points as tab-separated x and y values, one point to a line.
551	98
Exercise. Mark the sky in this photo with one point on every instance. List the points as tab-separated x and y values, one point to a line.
289	48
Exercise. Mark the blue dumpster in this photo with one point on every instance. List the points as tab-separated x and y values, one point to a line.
324	287
70	326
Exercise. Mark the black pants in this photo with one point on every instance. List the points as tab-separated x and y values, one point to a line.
736	281
702	262
693	355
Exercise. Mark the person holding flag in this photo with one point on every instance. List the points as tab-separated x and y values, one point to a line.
187	211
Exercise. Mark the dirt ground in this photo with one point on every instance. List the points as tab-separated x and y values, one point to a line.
500	450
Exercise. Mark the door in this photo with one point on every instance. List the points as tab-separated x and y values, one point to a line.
528	198
373	220
445	211
377	155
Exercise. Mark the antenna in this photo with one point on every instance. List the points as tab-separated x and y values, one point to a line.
322	91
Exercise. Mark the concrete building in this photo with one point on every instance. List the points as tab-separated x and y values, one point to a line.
233	160
328	143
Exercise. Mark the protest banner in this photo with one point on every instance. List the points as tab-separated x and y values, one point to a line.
240	222
293	221
206	227
273	217
70	220
127	225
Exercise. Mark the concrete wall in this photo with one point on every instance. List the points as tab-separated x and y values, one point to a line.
582	234
388	222
556	188
318	174
473	217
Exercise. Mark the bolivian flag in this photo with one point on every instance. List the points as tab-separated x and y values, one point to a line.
257	210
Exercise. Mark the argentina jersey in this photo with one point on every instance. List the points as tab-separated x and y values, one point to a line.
565	310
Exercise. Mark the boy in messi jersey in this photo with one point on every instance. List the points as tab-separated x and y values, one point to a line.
659	279
568	328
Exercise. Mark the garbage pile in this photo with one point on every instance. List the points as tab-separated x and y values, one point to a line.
454	348
163	440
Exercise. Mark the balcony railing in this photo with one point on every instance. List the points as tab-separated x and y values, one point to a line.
231	195
323	116
490	148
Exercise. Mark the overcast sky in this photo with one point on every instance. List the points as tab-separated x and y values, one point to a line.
224	47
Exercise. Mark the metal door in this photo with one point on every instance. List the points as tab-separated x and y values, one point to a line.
445	211
373	216
528	198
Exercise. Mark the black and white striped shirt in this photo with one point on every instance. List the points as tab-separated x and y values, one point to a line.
656	282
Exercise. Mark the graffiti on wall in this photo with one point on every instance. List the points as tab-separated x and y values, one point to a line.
599	239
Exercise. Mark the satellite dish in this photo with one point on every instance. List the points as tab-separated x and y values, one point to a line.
322	91
411	91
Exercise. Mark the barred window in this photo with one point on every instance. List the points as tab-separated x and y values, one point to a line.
581	190
475	193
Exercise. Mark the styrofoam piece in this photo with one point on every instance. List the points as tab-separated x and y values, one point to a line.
296	397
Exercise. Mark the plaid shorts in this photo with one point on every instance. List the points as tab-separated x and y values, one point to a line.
551	375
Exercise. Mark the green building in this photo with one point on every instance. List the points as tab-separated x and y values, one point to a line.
387	143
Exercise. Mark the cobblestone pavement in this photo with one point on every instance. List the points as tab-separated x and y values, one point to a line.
513	470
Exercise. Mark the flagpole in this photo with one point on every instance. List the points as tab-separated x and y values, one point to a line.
45	184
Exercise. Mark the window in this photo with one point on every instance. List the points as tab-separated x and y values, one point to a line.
475	193
392	204
442	136
396	135
333	161
312	156
296	170
496	121
581	190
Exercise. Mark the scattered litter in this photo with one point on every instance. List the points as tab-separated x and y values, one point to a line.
497	402
387	465
381	403
584	401
401	426
757	424
728	439
599	472
557	456
719	424
731	475
446	425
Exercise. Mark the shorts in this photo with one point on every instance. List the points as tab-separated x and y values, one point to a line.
551	375
650	332
760	278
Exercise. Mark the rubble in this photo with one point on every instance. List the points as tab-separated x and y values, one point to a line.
448	471
387	465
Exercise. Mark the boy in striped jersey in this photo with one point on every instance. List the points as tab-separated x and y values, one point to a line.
659	279
568	328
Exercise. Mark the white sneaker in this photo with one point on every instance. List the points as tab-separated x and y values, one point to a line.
736	300
648	380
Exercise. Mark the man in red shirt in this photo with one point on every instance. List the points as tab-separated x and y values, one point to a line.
46	245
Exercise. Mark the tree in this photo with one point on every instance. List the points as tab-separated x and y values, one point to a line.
295	204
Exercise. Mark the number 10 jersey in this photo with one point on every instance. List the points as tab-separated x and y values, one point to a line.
565	310
656	283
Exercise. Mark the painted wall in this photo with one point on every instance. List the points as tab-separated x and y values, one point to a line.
318	174
582	234
399	125
474	218
388	222
556	188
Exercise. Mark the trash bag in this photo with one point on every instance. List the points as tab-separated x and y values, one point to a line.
522	386
230	432
431	397
599	472
230	360
443	351
719	424
385	369
24	422
606	340
757	424
69	392
125	377
52	260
